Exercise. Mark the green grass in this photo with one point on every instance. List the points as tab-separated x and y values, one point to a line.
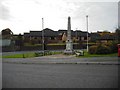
30	55
28	44
53	53
86	54
53	44
25	55
37	54
90	43
50	44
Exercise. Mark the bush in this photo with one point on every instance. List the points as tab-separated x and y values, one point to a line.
113	46
37	54
92	49
103	49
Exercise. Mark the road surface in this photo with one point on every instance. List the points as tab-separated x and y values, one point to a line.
59	76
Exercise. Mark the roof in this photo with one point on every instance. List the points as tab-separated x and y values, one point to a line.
107	37
95	35
74	33
51	33
35	33
26	34
47	32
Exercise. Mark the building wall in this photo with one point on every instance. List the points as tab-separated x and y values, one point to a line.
5	42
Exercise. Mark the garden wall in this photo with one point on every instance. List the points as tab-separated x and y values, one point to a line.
49	47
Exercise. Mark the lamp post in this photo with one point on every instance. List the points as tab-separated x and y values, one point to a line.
87	30
76	33
76	39
43	35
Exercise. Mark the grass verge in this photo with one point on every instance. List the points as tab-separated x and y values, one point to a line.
86	54
25	55
38	54
30	55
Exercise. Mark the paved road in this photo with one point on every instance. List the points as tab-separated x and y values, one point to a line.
59	76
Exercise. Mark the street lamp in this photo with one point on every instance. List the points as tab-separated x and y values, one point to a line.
87	30
43	35
76	33
76	39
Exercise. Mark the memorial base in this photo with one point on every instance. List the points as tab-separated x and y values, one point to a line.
69	52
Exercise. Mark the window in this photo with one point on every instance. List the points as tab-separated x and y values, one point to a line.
52	38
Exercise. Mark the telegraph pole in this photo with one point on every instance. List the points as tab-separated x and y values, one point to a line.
43	35
87	30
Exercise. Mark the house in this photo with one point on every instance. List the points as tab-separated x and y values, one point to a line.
94	37
107	38
76	36
102	37
52	36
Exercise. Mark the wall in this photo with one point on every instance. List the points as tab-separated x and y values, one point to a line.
33	48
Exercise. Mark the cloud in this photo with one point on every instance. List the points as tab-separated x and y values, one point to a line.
4	11
102	15
25	15
119	14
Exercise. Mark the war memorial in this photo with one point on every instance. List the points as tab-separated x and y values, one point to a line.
69	44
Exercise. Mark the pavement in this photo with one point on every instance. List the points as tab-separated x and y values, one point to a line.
64	59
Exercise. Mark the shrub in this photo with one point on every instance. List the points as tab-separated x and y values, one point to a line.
113	47
103	49
92	49
37	54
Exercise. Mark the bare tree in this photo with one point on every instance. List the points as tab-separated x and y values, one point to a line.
7	34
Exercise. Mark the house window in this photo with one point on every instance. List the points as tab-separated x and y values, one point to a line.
82	38
52	38
35	37
85	38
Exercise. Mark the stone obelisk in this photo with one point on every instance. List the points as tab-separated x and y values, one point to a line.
69	44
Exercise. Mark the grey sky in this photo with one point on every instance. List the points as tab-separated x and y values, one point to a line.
119	14
25	15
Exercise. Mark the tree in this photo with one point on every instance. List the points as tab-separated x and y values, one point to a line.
7	34
118	34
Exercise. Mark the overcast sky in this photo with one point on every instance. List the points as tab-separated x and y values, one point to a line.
25	15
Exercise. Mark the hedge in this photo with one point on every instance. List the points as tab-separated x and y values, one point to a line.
103	49
92	49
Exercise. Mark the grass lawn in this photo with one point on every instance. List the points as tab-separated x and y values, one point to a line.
86	54
50	44
25	55
55	44
30	55
37	54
